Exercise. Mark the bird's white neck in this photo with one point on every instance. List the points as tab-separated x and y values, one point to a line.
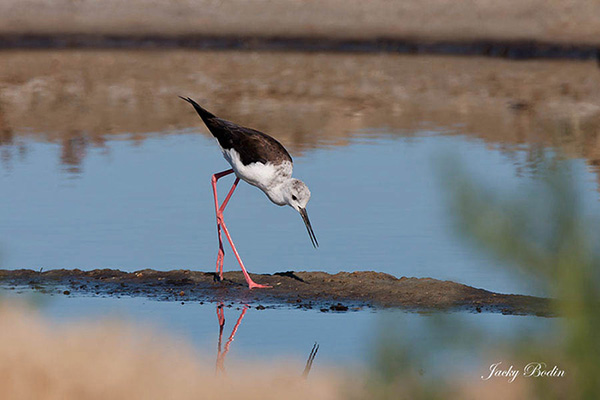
279	194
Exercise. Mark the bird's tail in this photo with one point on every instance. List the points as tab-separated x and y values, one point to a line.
204	114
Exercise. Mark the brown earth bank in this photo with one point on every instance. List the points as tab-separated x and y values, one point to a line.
562	21
343	291
83	99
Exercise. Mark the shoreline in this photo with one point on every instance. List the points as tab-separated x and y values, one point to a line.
316	290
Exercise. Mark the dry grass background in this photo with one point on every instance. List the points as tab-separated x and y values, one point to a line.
113	360
552	20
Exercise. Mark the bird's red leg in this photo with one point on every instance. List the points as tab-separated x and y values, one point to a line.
222	208
219	213
251	283
221	224
221	254
220	221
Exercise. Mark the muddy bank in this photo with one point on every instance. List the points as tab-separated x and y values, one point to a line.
343	291
82	99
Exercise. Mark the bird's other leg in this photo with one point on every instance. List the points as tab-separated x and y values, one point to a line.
221	224
251	283
221	255
219	215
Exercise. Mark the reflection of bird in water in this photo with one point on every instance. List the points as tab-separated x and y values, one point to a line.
261	161
311	358
222	353
73	151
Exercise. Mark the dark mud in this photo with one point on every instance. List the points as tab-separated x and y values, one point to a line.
509	49
343	291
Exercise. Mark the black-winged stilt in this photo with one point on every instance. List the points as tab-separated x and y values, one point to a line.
261	161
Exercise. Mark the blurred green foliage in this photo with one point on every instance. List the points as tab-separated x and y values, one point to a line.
546	234
542	230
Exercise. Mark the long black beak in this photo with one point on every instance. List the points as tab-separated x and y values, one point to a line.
309	228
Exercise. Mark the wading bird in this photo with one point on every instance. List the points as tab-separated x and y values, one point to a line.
261	161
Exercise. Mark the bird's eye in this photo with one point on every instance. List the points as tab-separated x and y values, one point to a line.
294	197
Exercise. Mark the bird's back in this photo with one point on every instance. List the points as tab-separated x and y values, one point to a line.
252	146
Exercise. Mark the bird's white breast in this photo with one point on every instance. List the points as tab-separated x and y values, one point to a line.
266	177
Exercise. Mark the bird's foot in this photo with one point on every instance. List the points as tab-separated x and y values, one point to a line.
254	285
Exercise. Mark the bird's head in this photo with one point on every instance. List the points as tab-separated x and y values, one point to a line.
297	195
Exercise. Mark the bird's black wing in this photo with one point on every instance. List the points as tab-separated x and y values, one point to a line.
252	145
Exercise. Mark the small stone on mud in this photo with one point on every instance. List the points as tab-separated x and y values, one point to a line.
66	292
182	293
260	307
338	307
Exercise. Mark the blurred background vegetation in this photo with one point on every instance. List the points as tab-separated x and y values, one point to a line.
542	231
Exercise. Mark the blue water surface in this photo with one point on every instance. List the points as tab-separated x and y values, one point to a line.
378	203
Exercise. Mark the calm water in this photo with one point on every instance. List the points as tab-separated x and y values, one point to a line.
378	204
102	166
347	339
